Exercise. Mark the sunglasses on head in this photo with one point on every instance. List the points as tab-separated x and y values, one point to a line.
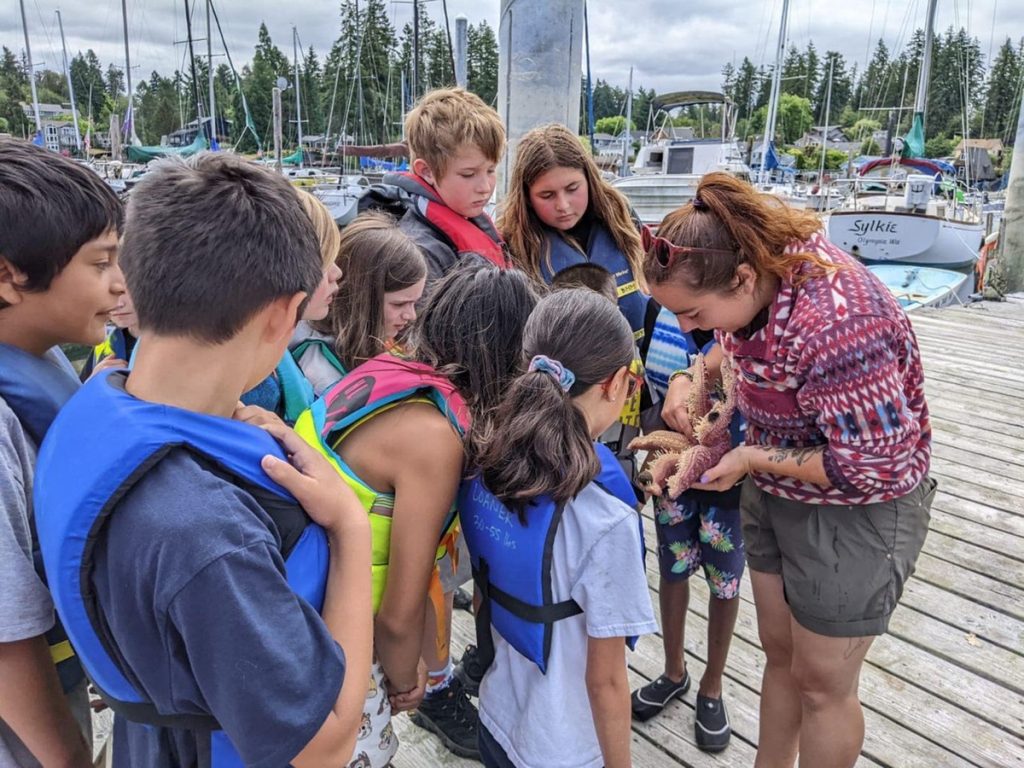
667	253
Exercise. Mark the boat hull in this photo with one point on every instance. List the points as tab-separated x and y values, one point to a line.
880	237
654	196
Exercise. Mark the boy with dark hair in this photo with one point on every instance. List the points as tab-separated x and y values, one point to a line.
59	280
189	557
455	142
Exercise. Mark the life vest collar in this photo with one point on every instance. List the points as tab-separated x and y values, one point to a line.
476	235
36	388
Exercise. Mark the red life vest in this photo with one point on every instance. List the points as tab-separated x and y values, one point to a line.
477	235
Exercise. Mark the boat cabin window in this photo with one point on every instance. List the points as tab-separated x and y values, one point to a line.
680	160
655	159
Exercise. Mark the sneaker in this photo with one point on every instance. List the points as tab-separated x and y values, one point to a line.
653	697
711	729
470	671
462	600
450	715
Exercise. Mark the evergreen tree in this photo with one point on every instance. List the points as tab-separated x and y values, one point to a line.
482	62
87	78
14	89
1003	93
115	82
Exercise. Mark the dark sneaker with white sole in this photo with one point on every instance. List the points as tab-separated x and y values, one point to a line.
452	717
470	670
711	729
650	699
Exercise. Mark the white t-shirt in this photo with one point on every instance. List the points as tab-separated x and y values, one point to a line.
545	721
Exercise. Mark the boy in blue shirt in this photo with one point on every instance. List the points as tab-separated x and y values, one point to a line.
59	280
188	586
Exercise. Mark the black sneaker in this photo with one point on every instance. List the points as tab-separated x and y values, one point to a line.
711	729
653	697
462	600
470	671
452	717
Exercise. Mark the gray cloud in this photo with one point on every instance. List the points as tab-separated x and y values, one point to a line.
671	45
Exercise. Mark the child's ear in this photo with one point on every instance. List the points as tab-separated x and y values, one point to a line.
11	280
420	168
283	315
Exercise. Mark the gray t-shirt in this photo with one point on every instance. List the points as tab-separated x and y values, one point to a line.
546	720
26	609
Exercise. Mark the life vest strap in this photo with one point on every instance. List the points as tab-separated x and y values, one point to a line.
536	614
146	713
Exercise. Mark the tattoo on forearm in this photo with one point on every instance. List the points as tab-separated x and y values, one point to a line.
799	455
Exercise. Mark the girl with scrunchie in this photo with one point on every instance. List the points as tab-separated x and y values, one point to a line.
537	447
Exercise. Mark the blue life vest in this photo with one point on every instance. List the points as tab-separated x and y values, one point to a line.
35	389
512	563
78	488
603	252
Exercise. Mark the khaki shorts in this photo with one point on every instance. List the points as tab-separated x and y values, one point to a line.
843	567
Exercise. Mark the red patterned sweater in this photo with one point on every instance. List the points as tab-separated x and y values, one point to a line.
837	364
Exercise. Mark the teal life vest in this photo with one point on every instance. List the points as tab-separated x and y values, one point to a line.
512	563
77	490
35	389
286	391
603	252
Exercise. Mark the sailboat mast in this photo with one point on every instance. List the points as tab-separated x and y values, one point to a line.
192	67
773	102
128	70
31	73
298	95
209	66
828	109
628	142
71	88
921	100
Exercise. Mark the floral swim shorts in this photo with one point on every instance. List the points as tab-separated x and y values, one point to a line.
694	532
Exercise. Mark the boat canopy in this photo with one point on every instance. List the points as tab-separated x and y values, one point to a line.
295	158
145	154
913	142
670	101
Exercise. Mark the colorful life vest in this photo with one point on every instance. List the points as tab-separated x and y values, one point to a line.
512	563
35	389
477	235
78	489
377	385
603	252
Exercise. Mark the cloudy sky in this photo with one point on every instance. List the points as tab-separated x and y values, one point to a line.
672	44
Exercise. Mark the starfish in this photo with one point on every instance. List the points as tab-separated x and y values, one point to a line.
679	461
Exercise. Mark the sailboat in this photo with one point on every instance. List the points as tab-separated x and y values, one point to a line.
909	210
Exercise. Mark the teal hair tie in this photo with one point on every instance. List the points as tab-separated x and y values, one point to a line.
555	369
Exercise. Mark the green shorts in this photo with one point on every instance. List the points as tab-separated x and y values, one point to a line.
843	567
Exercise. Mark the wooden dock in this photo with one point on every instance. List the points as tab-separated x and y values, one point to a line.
945	687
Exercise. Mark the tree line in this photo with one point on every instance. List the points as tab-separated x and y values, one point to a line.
363	83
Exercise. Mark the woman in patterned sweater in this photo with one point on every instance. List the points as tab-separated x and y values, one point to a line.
835	504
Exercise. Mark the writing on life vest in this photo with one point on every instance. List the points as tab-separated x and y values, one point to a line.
490	524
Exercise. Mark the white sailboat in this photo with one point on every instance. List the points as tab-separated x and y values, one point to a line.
906	210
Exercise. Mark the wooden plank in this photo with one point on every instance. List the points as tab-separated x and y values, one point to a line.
973	436
1000	492
969	618
992	458
996	542
976	511
971	586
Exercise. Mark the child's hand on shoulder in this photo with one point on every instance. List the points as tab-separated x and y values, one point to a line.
107	364
316	485
253	414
